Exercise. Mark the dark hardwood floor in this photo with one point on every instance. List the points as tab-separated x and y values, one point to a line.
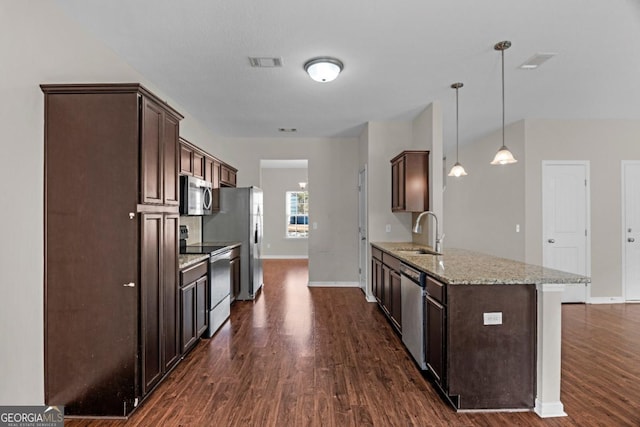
301	356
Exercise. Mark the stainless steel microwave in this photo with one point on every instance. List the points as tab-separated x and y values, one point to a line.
195	196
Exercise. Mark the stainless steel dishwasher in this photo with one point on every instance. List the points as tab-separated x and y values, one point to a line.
412	286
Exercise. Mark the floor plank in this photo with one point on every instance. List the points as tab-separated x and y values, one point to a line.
301	356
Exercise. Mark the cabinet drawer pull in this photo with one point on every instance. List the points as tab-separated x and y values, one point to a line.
129	285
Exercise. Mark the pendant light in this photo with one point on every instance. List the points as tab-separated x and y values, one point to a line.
457	170
503	156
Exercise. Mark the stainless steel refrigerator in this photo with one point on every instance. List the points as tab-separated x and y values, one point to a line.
240	220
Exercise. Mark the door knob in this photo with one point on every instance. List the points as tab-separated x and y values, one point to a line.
631	240
551	240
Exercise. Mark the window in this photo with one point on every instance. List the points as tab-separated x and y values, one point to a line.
297	211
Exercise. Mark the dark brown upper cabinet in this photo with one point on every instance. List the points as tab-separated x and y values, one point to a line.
197	162
410	182
227	175
192	160
158	151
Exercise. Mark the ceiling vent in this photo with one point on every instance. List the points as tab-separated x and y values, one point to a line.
536	60
265	62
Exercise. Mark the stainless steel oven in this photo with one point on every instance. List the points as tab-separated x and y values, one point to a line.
195	196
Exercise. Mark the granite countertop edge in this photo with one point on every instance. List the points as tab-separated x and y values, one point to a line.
187	260
464	267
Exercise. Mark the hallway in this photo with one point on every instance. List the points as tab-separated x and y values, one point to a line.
302	356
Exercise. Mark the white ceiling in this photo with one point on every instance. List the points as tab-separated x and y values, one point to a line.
399	56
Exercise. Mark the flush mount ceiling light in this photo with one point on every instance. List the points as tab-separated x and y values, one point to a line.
323	69
503	156
457	170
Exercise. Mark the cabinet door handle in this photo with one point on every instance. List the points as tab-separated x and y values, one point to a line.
631	240
551	240
129	285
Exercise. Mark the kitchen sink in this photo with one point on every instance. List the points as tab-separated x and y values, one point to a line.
416	252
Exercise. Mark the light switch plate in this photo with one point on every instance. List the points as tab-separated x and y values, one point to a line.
387	228
494	318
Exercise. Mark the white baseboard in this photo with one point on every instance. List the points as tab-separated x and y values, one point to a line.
371	298
285	256
549	409
334	284
606	300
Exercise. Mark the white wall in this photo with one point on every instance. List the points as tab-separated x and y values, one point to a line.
483	208
386	140
427	135
39	45
333	192
604	143
275	183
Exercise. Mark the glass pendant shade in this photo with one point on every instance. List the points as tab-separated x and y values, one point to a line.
323	70
457	170
503	157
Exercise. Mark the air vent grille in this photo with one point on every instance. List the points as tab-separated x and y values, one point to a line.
536	60
265	62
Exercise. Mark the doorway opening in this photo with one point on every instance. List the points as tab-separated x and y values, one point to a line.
287	208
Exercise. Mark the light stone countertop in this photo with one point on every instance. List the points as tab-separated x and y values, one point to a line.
464	267
187	260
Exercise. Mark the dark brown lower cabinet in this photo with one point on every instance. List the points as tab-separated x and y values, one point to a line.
396	299
376	279
201	306
385	285
194	283
171	302
435	335
188	324
386	289
158	292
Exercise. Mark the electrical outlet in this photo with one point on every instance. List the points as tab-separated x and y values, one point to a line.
492	318
387	228
315	225
517	228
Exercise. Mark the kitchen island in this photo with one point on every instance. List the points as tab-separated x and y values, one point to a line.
493	326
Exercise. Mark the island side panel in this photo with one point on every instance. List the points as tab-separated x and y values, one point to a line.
492	366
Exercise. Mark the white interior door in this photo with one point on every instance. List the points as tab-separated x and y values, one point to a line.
362	229
565	222
631	232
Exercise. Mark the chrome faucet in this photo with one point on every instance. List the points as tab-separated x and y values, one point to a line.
418	229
